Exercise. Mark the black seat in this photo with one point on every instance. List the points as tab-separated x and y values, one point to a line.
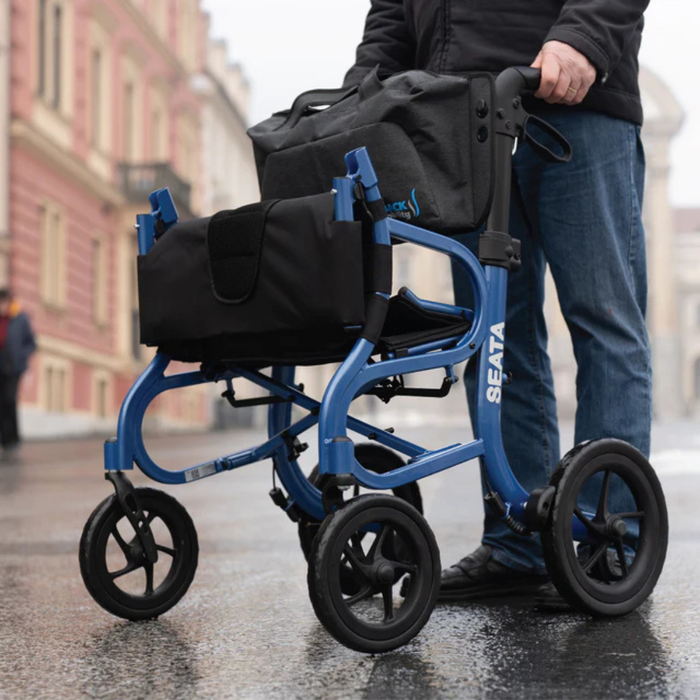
407	325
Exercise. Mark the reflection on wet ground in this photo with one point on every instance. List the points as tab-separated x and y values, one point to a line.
246	628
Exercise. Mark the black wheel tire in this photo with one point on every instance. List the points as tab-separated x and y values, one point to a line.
325	569
603	592
93	556
379	459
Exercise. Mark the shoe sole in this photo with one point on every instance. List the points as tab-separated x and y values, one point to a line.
487	592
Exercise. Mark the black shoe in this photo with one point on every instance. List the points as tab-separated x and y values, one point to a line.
548	599
479	575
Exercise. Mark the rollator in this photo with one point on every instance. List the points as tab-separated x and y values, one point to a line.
252	293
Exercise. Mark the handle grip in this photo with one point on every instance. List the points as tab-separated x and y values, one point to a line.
531	76
512	82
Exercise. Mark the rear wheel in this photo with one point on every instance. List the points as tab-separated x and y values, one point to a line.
611	488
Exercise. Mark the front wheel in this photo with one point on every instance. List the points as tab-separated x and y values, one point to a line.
612	565
114	566
385	540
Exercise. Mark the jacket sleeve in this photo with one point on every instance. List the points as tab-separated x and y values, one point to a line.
28	340
599	29
387	42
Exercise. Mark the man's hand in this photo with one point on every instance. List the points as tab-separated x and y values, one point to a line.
567	74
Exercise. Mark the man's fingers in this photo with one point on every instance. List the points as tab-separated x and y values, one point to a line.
584	88
571	96
578	97
537	63
561	89
550	77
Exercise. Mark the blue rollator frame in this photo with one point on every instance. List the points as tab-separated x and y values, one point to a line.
605	563
354	377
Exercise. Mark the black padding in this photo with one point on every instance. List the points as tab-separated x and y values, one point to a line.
377	209
376	309
234	240
380	271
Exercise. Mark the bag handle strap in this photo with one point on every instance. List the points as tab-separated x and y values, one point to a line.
370	85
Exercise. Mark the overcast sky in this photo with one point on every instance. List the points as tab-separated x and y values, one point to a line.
288	47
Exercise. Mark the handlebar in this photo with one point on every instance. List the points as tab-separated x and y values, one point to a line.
512	82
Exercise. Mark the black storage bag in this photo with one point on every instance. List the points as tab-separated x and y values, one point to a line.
274	282
430	138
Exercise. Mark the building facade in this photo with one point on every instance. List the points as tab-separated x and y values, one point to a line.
104	109
687	266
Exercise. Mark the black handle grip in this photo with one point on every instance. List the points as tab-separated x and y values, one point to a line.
531	76
512	82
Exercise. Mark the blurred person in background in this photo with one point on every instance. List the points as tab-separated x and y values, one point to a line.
17	345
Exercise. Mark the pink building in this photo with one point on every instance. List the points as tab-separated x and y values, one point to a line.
102	112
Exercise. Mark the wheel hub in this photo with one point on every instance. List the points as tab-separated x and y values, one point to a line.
616	528
383	572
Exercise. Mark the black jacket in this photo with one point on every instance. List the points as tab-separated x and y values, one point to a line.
458	36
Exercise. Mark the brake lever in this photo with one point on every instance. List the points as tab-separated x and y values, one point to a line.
547	153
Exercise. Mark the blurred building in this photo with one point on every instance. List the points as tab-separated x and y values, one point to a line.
104	109
687	268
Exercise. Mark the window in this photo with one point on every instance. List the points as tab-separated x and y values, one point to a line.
99	77
188	138
54	391
99	281
187	34
159	10
129	122
158	142
156	131
57	56
96	98
41	88
51	42
52	228
102	397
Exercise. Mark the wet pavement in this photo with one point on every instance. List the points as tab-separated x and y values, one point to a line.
246	628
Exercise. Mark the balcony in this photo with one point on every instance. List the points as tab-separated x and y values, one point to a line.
138	181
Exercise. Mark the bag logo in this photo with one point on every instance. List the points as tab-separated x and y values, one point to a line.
407	209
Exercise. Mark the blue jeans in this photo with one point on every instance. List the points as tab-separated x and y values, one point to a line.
584	220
